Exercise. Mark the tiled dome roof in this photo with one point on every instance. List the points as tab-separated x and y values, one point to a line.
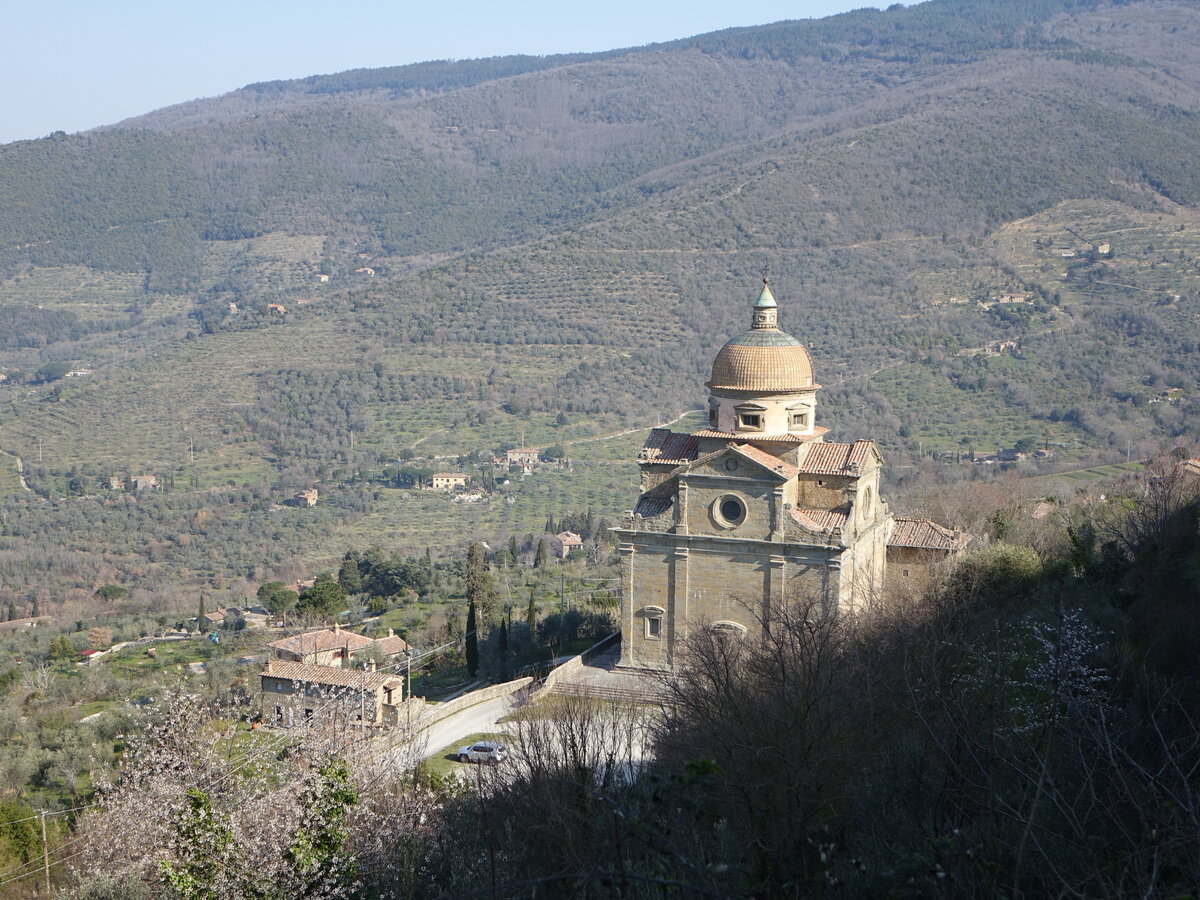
762	358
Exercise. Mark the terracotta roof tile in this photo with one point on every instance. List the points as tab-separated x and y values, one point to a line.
836	459
784	469
786	438
329	675
392	644
924	534
325	639
822	519
666	446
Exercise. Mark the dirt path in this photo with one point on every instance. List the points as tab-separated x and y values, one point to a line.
425	438
20	470
616	434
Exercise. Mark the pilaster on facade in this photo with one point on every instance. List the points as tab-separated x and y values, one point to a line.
627	549
778	510
679	594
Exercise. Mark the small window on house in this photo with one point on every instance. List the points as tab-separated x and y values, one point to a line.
800	420
906	573
712	416
750	420
654	627
279	713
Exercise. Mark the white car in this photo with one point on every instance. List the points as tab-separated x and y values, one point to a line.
482	752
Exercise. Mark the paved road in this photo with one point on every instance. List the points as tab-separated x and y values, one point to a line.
472	720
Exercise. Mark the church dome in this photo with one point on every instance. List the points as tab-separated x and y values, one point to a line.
763	358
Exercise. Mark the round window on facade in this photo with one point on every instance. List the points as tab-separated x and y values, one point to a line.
729	511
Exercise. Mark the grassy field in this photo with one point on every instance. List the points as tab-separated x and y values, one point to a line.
10	481
1093	474
443	762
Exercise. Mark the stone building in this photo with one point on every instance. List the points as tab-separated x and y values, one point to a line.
296	693
449	481
757	508
332	646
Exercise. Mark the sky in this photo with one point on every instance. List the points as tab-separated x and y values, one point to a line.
71	65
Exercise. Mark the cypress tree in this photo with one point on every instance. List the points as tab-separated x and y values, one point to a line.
472	641
512	548
481	586
200	615
37	609
531	618
349	576
539	561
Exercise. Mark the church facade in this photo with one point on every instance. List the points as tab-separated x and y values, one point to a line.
757	508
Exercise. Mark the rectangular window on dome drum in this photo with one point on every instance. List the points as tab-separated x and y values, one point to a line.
751	420
800	420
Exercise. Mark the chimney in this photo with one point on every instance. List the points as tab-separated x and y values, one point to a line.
337	626
370	665
391	633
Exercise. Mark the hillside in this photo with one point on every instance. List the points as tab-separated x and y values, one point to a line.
506	240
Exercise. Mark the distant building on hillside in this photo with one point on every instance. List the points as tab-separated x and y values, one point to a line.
144	482
448	481
521	456
306	497
566	541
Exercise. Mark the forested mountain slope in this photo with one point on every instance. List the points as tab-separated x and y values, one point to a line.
461	251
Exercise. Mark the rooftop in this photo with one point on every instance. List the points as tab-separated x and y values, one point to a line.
666	446
329	675
836	459
325	639
784	438
923	534
783	469
392	644
821	519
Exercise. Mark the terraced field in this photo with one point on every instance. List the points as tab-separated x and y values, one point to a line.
149	414
603	476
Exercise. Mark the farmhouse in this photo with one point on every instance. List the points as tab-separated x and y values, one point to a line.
566	541
448	481
326	647
306	497
521	456
296	693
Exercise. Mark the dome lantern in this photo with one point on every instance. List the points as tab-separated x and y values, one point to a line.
762	381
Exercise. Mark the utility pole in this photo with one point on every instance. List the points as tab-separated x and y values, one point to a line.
45	852
562	608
